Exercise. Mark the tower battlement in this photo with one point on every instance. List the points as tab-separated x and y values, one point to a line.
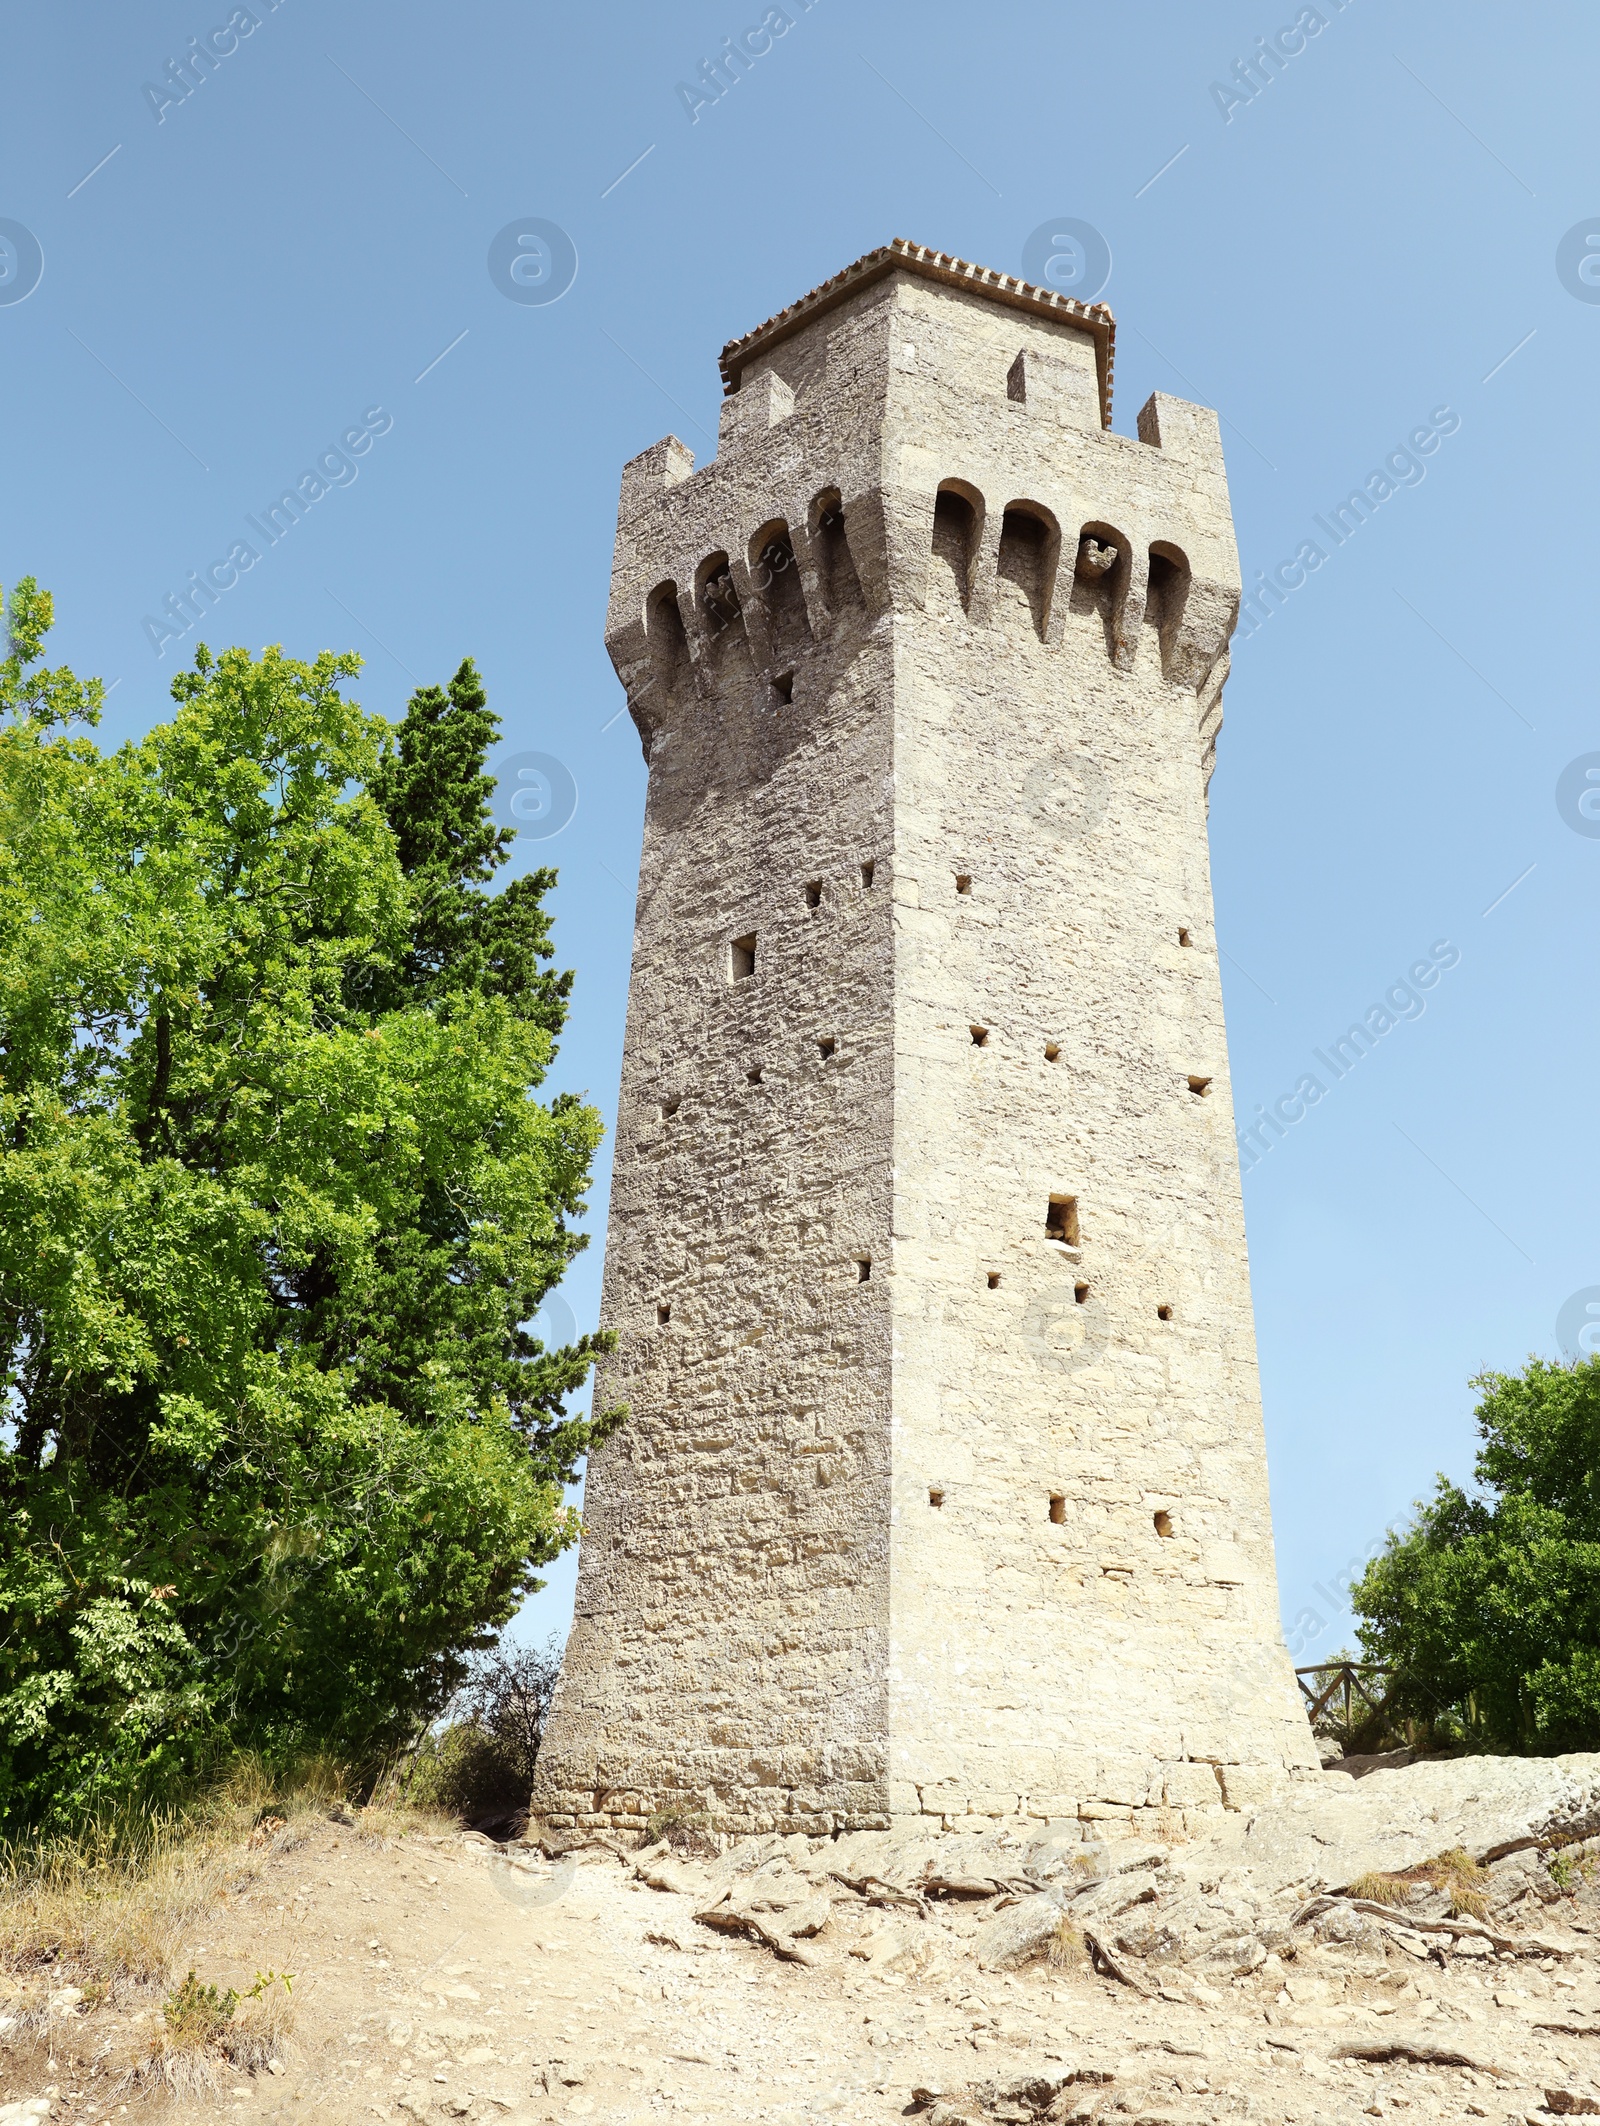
908	378
944	1488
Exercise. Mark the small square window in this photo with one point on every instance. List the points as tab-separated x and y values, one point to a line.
963	882
826	1046
1200	1085
1052	1051
753	1077
1058	1508
935	1498
783	687
994	1280
742	958
1080	1293
663	1314
1061	1220
863	1269
980	1036
867	870
814	894
1184	938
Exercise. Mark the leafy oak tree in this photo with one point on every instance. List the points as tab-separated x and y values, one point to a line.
276	1199
1488	1607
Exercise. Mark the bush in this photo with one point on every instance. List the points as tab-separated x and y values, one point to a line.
480	1764
507	1697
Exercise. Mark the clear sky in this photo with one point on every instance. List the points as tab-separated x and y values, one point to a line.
1353	237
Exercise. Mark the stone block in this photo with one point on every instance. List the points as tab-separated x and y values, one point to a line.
1124	1781
944	1800
1188	1785
1249	1786
993	1804
748	412
665	464
1054	1808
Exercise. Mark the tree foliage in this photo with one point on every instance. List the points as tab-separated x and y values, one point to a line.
1488	1607
276	1199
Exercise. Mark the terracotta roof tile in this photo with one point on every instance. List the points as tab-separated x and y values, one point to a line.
932	265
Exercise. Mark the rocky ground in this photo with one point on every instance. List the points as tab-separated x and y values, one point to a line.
1243	1969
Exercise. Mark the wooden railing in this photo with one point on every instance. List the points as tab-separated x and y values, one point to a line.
1348	1692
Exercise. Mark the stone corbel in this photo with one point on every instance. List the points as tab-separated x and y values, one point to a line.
752	612
1202	632
1209	720
984	566
1127	617
1060	566
877	534
629	649
818	616
628	646
697	633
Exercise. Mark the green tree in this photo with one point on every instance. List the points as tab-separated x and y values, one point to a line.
276	1200
1488	1607
432	789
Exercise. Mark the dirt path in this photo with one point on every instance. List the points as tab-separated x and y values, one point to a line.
438	1979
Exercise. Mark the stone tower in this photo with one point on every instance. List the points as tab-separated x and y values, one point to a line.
944	1490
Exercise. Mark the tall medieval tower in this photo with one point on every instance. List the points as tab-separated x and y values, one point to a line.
944	1489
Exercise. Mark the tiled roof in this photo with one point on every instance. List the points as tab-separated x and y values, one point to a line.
904	257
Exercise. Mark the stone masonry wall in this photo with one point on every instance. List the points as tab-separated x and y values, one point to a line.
1086	1621
923	1507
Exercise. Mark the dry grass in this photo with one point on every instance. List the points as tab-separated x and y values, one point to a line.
1455	1872
1067	1949
108	1913
685	1829
1380	1889
259	2028
98	1917
389	1817
115	1902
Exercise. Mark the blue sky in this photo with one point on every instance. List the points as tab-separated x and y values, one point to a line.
295	251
